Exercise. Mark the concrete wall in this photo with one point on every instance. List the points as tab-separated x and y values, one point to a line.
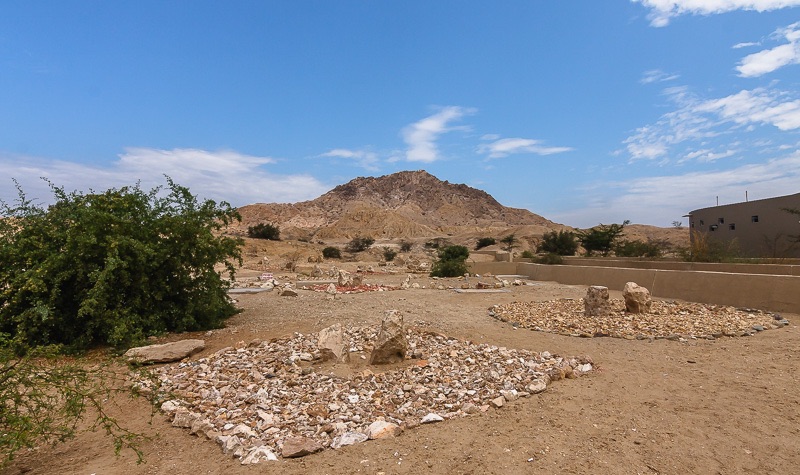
792	266
779	293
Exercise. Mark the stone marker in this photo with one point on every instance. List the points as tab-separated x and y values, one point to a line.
391	344
164	353
345	279
331	344
637	298
596	303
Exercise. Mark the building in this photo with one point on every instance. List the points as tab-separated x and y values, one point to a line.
761	228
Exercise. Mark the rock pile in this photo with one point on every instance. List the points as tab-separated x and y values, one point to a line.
280	397
665	319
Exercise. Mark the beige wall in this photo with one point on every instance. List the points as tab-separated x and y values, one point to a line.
792	267
779	293
768	237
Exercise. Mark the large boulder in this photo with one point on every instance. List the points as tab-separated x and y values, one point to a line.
164	353
596	302
391	344
637	298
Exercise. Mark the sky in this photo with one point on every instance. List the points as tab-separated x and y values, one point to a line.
582	111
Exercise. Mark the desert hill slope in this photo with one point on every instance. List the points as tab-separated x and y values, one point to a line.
414	205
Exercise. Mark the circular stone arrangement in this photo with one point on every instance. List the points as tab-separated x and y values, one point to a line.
261	399
666	319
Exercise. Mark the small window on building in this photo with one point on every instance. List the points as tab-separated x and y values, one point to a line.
754	218
713	227
732	226
721	220
701	222
691	225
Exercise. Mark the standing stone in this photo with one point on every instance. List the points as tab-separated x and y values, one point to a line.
345	279
637	298
596	303
358	279
331	290
391	344
331	344
317	272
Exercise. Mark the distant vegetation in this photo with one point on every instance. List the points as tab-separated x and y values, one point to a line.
331	252
265	231
550	258
389	254
601	239
452	262
637	248
704	248
406	246
359	244
485	242
562	243
510	242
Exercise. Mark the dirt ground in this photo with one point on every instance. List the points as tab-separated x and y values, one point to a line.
725	406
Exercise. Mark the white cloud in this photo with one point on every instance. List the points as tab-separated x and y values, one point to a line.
744	45
421	136
657	75
661	11
504	147
221	176
768	60
659	200
706	155
697	120
365	159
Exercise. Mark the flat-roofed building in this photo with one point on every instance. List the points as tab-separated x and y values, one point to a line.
761	228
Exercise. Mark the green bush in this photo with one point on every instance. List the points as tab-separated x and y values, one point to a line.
451	263
527	255
114	267
331	252
638	248
359	244
405	246
389	254
562	243
601	238
510	242
264	231
550	258
485	242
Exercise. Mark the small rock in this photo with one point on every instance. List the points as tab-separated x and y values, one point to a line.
383	430
299	447
348	438
498	402
259	454
430	418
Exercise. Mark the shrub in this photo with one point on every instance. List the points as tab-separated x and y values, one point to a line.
113	267
331	252
638	248
485	242
704	248
550	258
359	244
510	241
438	243
562	243
389	254
405	246
264	231
601	238
451	263
527	255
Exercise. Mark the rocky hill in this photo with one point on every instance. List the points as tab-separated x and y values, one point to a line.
414	205
411	204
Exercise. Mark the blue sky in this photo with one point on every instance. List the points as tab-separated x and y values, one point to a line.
585	111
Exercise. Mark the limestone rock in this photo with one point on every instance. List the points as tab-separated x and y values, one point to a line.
430	418
164	353
345	279
299	447
637	298
287	292
348	438
383	430
331	344
391	344
259	454
596	303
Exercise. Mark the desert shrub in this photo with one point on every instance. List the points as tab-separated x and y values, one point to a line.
563	243
485	242
264	231
406	246
510	242
527	255
638	248
601	239
451	262
359	244
550	258
437	243
331	252
389	254
113	267
704	248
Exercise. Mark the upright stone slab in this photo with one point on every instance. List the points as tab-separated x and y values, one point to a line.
596	303
637	298
391	344
331	344
345	279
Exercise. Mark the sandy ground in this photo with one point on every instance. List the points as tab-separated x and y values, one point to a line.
726	406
